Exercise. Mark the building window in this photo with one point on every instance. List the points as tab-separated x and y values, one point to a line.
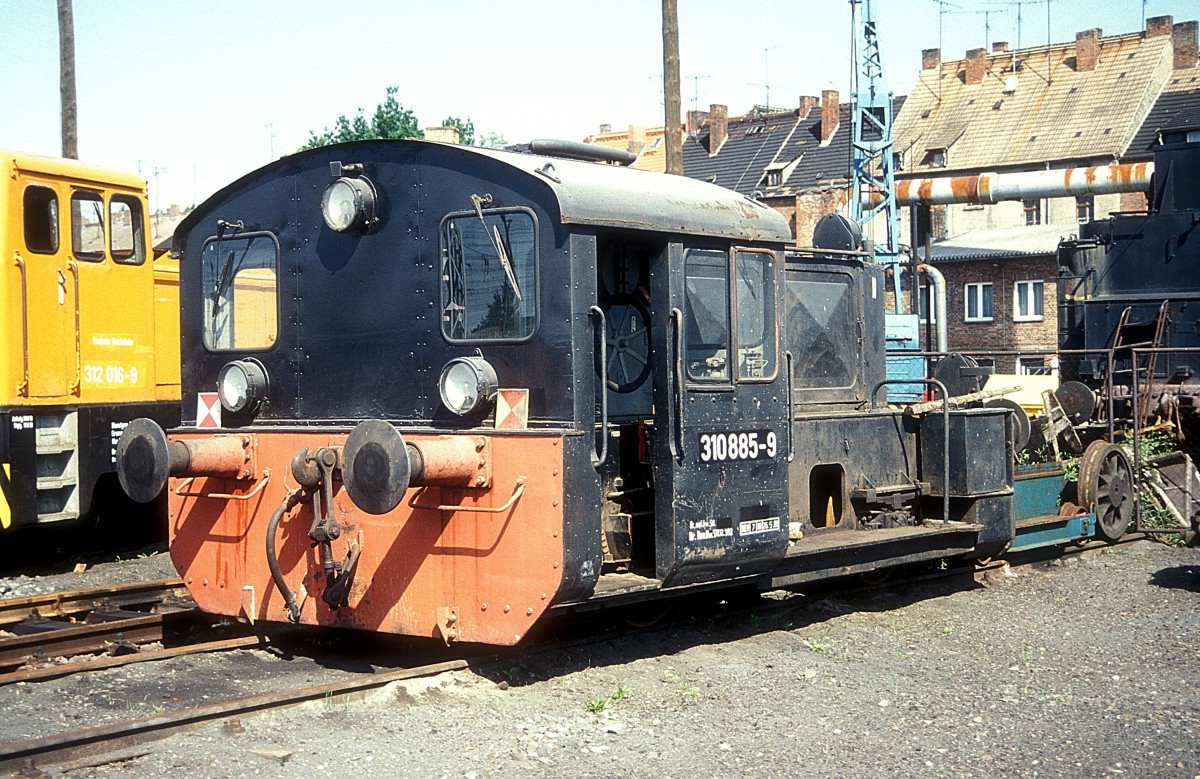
928	314
1028	304
1032	366
774	178
1085	208
1033	211
978	302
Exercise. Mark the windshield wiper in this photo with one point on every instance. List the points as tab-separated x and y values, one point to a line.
497	242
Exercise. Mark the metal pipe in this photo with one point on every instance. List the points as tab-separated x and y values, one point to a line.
991	187
939	302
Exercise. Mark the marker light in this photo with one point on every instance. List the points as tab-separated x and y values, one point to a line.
467	384
242	384
349	204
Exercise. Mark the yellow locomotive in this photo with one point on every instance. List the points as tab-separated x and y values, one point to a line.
90	336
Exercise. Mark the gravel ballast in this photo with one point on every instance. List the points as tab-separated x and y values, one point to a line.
1086	666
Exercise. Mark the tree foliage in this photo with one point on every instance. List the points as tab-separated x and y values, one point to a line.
392	120
389	120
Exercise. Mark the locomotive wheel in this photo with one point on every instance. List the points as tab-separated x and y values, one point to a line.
1106	486
628	358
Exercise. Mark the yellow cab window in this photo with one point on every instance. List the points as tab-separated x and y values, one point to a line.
40	214
127	242
87	226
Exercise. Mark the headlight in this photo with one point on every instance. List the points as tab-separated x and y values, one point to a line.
349	204
467	384
242	384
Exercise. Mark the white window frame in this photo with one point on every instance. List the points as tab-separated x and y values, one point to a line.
974	290
1023	290
926	304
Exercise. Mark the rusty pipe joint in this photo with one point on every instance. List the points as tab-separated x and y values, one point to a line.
145	459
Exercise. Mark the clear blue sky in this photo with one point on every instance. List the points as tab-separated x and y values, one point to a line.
194	94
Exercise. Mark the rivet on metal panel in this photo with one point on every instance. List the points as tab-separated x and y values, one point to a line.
483	607
529	612
554	565
543	596
507	608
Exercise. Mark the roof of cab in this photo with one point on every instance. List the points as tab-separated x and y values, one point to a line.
589	193
61	167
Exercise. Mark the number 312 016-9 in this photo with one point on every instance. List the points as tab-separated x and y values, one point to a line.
746	445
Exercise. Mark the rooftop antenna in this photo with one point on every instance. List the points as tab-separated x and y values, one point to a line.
942	6
767	74
696	91
987	22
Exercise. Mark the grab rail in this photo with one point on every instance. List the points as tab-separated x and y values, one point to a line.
23	386
600	453
945	433
676	320
518	491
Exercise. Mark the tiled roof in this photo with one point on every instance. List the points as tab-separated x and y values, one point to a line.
652	156
1177	106
788	142
1002	242
1055	113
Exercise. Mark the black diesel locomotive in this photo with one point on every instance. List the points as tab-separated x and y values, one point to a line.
439	390
1129	296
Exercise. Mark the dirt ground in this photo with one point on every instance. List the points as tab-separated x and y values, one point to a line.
1086	666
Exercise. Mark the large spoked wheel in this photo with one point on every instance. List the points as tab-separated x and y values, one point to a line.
1106	487
628	358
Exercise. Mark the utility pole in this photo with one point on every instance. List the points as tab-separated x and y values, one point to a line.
671	130
66	80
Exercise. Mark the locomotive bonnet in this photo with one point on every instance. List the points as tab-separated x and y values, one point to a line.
439	390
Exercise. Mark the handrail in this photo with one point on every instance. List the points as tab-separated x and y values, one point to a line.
78	381
945	433
791	378
676	439
23	386
222	495
518	491
600	452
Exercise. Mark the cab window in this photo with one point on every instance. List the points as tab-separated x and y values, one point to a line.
706	282
87	226
40	214
489	276
240	291
755	306
127	242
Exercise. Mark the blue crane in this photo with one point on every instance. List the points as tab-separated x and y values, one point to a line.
872	161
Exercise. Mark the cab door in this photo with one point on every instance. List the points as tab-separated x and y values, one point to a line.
721	447
47	294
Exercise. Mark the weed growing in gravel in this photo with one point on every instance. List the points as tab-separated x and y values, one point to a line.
620	694
597	704
818	646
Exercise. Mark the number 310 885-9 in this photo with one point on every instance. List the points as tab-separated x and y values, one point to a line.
746	445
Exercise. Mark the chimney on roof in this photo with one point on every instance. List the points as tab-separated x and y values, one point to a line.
1158	25
1087	49
637	138
808	103
931	59
830	114
444	134
977	65
999	46
718	127
695	120
1183	37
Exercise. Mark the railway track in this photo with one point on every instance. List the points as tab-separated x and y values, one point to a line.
115	740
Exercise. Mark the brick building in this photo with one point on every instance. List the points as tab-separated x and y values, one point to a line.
1096	101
